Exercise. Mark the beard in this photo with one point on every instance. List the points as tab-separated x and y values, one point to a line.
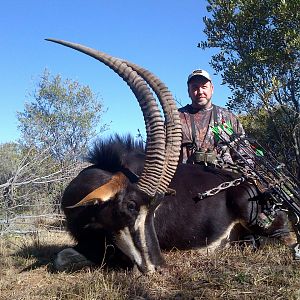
201	103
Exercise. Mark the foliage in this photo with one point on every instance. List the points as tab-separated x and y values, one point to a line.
259	58
31	186
260	126
61	117
56	127
10	156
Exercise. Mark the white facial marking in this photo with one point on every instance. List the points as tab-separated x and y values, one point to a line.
156	209
125	243
140	225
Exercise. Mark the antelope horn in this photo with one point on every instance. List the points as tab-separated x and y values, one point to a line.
155	146
104	192
172	121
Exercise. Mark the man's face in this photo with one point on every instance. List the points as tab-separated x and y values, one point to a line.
200	91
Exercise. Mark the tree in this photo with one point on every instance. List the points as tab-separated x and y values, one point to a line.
61	117
31	184
261	126
10	154
259	58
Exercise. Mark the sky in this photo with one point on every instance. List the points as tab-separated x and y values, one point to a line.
159	35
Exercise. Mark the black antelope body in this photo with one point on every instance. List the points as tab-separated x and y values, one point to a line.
132	201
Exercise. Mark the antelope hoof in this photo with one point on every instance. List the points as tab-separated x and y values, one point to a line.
297	252
70	260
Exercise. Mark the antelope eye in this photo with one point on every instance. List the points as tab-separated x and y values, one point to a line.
131	205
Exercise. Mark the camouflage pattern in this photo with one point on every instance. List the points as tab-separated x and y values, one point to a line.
204	137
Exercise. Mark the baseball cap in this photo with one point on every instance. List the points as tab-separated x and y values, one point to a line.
199	72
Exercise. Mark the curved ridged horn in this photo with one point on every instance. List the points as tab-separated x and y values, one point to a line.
172	121
155	146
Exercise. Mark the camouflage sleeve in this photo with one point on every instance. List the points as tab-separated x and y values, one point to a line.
226	154
186	128
243	157
186	137
236	124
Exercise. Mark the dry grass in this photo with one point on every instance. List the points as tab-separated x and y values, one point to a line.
270	273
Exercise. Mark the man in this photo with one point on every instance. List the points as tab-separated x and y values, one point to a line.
198	120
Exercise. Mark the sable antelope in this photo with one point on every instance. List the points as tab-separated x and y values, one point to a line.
138	201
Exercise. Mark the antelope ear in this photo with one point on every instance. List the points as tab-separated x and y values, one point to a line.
104	192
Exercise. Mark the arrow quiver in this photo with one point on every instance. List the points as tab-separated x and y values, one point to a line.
271	176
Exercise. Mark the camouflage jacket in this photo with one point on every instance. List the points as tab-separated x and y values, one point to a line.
204	137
